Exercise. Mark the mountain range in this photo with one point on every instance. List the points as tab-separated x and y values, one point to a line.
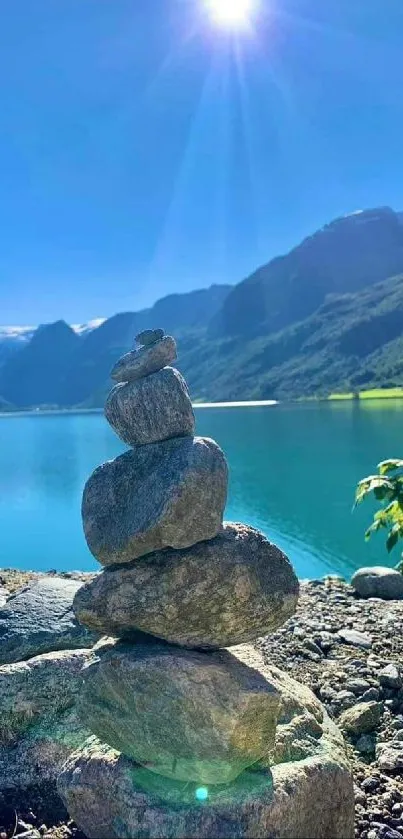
327	316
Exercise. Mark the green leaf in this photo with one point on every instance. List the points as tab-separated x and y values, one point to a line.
393	538
381	493
374	527
399	566
370	484
389	465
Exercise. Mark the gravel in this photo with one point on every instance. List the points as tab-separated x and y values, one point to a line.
350	653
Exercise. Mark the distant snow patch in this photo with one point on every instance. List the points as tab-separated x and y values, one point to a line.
81	328
16	333
23	334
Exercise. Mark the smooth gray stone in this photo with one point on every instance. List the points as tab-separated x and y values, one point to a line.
215	594
138	363
307	791
152	409
183	714
169	494
356	639
149	337
39	618
385	583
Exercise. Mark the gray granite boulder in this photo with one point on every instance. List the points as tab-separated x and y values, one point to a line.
226	591
39	618
186	715
303	789
147	359
169	494
361	718
39	726
385	583
152	409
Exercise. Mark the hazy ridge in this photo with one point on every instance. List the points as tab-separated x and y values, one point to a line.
327	316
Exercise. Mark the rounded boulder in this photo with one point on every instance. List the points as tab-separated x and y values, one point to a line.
183	714
215	594
385	583
302	788
152	409
169	494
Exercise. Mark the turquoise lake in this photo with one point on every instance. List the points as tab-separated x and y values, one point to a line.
293	470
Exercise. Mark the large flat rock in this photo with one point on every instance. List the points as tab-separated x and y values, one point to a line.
39	726
215	594
39	618
186	715
169	494
152	409
303	789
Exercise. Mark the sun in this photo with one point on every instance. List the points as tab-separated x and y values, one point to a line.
231	14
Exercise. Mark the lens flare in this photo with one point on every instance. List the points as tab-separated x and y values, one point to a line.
232	14
201	794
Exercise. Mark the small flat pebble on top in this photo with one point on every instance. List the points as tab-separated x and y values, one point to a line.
149	337
145	360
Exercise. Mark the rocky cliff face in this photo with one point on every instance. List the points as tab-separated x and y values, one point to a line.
347	255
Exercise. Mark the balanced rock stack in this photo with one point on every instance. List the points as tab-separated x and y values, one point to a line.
182	720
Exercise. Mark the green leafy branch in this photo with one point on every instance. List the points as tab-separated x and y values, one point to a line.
387	488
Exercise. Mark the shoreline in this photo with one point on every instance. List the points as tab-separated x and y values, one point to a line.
388	396
253	403
37	412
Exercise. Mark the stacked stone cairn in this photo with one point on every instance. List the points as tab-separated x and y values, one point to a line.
178	588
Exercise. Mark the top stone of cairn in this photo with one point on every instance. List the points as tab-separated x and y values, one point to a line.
156	351
149	337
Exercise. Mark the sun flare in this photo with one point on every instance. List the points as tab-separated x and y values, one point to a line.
231	14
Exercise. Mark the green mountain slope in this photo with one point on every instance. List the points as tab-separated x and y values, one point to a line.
352	342
327	316
347	255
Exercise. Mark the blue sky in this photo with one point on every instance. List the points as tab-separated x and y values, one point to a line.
144	150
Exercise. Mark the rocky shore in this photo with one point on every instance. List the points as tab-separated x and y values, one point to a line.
349	651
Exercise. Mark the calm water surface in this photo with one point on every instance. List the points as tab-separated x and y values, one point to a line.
293	472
